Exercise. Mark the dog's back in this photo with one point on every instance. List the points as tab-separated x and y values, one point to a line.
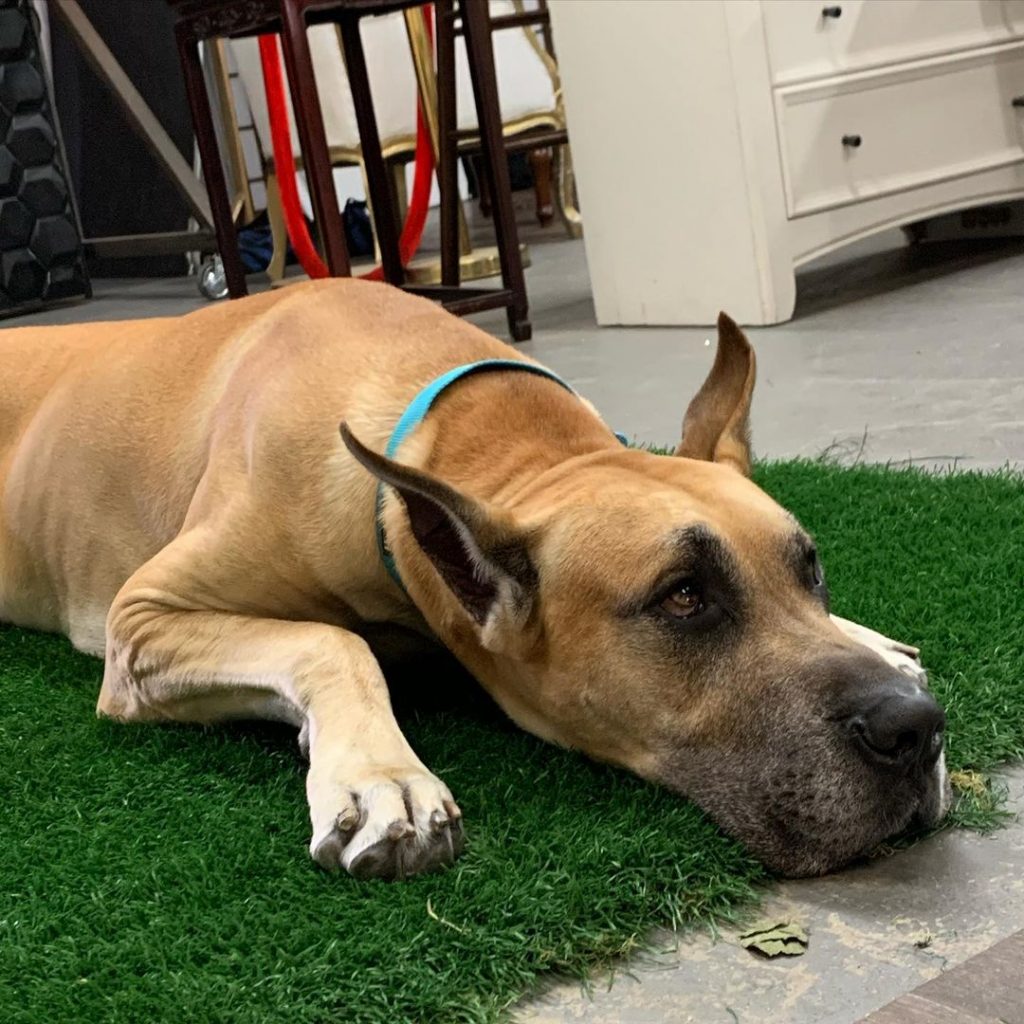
107	429
103	434
63	411
32	360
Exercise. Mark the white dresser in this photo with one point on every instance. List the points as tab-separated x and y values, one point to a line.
719	144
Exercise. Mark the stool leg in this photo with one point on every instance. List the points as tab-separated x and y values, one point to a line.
381	200
310	124
448	153
476	28
209	153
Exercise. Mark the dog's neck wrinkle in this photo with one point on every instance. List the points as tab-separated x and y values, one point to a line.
496	434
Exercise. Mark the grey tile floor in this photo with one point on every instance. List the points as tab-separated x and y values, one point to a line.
875	932
896	354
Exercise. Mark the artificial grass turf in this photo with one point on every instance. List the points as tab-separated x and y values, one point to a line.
160	874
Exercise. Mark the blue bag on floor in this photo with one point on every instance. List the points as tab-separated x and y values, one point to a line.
256	241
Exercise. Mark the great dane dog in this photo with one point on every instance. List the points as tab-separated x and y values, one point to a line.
203	501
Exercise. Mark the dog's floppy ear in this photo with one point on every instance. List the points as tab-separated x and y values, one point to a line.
477	551
716	427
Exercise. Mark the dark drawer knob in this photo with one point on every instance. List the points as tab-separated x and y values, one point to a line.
1017	101
853	141
832	12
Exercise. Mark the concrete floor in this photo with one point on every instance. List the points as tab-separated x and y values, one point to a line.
876	931
895	354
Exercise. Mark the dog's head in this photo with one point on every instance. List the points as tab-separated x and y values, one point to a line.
666	615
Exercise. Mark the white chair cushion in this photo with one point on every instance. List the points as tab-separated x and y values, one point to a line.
524	84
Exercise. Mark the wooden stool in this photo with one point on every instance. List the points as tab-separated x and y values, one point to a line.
452	143
209	19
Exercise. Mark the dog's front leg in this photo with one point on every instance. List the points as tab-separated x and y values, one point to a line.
376	810
901	656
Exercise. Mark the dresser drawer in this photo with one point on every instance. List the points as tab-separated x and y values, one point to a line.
805	43
923	123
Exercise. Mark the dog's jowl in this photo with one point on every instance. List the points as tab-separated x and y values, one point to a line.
223	506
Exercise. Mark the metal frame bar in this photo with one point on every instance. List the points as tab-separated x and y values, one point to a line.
144	122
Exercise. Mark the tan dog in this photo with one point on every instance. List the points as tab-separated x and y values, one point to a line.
175	496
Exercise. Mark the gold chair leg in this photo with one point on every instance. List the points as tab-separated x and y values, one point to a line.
369	209
565	192
243	208
426	82
401	190
278	229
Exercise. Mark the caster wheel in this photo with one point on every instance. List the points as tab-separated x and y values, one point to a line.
213	282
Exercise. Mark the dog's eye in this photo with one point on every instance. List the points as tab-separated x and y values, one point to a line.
817	577
814	564
684	601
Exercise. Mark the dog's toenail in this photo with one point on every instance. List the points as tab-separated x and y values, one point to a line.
399	830
438	821
346	821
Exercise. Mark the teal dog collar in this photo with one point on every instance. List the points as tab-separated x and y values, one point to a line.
416	412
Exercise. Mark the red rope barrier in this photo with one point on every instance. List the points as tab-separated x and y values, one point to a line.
284	162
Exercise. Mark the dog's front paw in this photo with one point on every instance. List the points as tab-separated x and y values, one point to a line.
905	659
900	656
388	824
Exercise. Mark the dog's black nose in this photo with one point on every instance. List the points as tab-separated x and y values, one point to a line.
899	727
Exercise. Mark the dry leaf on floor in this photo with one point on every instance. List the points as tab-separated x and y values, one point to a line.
783	938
